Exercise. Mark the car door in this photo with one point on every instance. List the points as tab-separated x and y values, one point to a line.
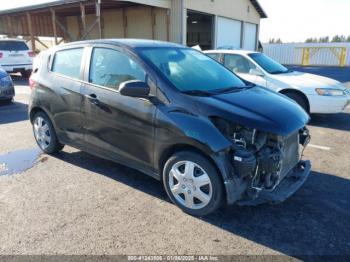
62	96
243	68
116	126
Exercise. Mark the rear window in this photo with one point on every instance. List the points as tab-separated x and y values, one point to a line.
68	62
13	46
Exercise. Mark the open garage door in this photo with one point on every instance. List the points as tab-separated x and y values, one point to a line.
250	33
200	30
229	33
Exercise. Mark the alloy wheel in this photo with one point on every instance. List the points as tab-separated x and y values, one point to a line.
42	132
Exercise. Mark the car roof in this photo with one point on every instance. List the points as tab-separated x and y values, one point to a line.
230	51
12	39
130	43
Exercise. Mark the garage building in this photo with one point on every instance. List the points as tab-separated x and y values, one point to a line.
208	23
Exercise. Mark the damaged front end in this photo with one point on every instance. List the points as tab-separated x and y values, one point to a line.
269	166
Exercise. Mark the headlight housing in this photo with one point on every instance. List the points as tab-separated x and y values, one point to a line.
240	136
329	92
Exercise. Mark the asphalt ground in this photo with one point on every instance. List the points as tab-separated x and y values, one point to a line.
75	203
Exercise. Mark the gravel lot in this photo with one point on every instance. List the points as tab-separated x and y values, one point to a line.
75	203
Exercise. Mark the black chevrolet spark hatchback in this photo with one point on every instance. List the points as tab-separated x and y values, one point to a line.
174	114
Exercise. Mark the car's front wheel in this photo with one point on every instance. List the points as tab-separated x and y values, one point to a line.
45	134
193	183
299	99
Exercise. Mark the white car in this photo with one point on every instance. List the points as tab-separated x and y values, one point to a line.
314	93
15	56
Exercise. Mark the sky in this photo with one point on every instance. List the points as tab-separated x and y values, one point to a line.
297	20
290	20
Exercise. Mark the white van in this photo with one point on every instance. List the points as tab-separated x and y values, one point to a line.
15	56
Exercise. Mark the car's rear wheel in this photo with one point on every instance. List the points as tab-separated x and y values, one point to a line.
45	134
299	99
26	74
7	101
193	183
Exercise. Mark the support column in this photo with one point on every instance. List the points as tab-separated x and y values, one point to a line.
125	22
30	27
83	19
153	22
9	27
98	17
342	59
177	22
54	28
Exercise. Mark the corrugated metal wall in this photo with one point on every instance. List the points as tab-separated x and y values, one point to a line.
292	54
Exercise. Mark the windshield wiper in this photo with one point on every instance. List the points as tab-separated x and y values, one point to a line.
233	89
197	93
281	72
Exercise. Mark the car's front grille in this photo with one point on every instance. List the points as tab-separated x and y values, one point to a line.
290	153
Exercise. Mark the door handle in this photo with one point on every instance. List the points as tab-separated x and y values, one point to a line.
93	99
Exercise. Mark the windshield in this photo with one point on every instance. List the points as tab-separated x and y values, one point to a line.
13	46
190	71
268	64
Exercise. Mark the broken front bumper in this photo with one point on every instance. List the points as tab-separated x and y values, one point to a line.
287	187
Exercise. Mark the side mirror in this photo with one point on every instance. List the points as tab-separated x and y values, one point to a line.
134	88
256	72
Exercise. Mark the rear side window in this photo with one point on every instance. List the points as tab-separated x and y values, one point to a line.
68	62
13	46
238	63
110	68
214	56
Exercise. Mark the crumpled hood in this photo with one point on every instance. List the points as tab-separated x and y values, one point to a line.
258	108
306	80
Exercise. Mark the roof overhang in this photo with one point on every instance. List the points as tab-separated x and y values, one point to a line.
66	3
259	8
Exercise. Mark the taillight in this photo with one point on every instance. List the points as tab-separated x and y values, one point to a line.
31	83
1	54
31	54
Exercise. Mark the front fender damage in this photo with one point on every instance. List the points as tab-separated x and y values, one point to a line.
271	175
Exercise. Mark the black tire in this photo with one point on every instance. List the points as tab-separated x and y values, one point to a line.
54	146
299	99
26	74
8	101
217	194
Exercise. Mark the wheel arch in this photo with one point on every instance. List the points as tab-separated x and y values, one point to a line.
299	93
37	109
33	111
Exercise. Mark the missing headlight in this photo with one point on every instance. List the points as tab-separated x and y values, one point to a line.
242	137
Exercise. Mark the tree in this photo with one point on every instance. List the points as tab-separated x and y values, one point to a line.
275	41
338	38
324	39
311	40
279	41
348	39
